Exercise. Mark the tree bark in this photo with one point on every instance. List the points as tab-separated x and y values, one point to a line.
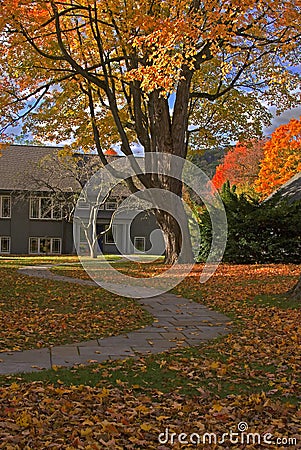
168	136
92	243
296	291
91	232
177	244
171	234
93	252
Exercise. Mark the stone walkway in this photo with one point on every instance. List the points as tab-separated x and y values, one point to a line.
178	322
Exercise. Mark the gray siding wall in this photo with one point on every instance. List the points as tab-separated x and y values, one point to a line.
20	228
142	226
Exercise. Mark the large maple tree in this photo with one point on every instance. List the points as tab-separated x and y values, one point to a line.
136	71
282	157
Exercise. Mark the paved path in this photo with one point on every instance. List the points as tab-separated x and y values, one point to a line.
178	322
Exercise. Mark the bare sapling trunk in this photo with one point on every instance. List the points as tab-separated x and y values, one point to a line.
296	291
90	231
92	243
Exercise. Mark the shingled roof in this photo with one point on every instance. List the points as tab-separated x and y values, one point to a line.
18	161
34	168
290	191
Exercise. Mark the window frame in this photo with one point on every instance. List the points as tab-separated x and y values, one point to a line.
110	202
107	235
2	197
39	238
53	208
82	203
60	245
144	243
9	245
82	244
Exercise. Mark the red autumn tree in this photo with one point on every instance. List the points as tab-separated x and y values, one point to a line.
282	158
240	165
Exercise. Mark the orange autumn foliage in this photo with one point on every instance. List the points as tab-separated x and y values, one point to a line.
282	158
240	165
110	152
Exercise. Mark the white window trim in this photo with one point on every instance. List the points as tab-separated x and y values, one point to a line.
135	248
9	241
40	209
114	234
82	204
60	241
39	245
111	202
1	203
83	242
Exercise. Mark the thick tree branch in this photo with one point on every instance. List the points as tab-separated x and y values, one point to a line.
67	57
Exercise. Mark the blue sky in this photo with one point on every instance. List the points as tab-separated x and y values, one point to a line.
285	117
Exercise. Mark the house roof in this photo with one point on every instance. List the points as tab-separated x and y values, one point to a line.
290	191
18	161
37	168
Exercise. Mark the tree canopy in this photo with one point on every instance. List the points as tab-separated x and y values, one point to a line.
282	157
65	62
145	71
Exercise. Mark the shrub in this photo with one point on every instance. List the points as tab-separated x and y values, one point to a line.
269	232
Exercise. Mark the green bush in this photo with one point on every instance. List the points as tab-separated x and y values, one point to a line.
269	232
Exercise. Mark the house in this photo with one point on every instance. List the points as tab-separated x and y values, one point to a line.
290	191
33	220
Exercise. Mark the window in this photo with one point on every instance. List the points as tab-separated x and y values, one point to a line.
111	205
5	207
82	203
44	208
41	245
109	236
139	244
56	246
83	242
4	244
33	245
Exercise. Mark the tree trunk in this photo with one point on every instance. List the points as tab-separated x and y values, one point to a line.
91	233
296	291
166	134
93	251
92	243
171	234
177	244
